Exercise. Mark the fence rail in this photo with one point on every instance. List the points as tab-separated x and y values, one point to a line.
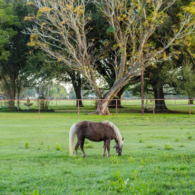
88	105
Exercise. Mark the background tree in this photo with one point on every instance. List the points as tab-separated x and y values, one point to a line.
64	25
14	67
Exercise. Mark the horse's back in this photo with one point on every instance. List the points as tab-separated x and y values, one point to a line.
94	131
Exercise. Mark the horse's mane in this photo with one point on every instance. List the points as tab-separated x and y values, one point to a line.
117	132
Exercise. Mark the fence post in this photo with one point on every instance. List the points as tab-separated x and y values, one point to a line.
116	109
78	108
189	108
153	108
39	109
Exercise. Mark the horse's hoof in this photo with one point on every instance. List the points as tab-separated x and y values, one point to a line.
85	156
103	155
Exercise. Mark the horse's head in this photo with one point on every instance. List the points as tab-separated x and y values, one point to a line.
118	149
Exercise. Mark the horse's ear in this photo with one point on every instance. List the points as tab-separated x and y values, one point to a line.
123	138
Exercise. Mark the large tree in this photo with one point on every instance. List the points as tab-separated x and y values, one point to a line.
64	25
14	67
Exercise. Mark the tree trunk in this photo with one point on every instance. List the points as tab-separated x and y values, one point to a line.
76	82
18	102
191	101
160	105
113	102
78	96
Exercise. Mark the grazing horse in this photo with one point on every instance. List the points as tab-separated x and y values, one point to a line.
102	131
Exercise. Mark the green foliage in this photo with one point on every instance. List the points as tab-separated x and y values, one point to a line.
168	147
114	160
119	184
149	145
9	20
58	147
190	137
88	144
131	159
186	79
141	141
176	139
182	145
26	145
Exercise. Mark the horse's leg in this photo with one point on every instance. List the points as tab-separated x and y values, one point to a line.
82	148
77	145
104	148
108	147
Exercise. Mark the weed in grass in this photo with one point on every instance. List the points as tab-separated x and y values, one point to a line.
135	175
48	147
190	137
176	139
141	141
58	147
142	161
182	145
88	144
41	142
26	145
181	127
34	193
149	160
157	170
114	160
188	133
119	185
139	133
39	147
168	147
149	146
131	159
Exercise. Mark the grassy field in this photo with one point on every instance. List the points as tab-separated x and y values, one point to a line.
158	156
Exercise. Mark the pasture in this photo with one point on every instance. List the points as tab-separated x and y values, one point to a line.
158	156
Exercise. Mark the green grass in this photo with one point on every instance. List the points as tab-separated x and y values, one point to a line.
34	156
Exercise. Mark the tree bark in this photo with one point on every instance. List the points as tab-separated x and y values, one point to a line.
118	98
102	105
78	96
76	82
160	105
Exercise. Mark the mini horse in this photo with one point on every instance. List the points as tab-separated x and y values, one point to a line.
103	131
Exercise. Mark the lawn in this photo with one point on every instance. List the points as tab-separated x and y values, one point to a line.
158	156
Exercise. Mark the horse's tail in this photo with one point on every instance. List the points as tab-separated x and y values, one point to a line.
72	134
